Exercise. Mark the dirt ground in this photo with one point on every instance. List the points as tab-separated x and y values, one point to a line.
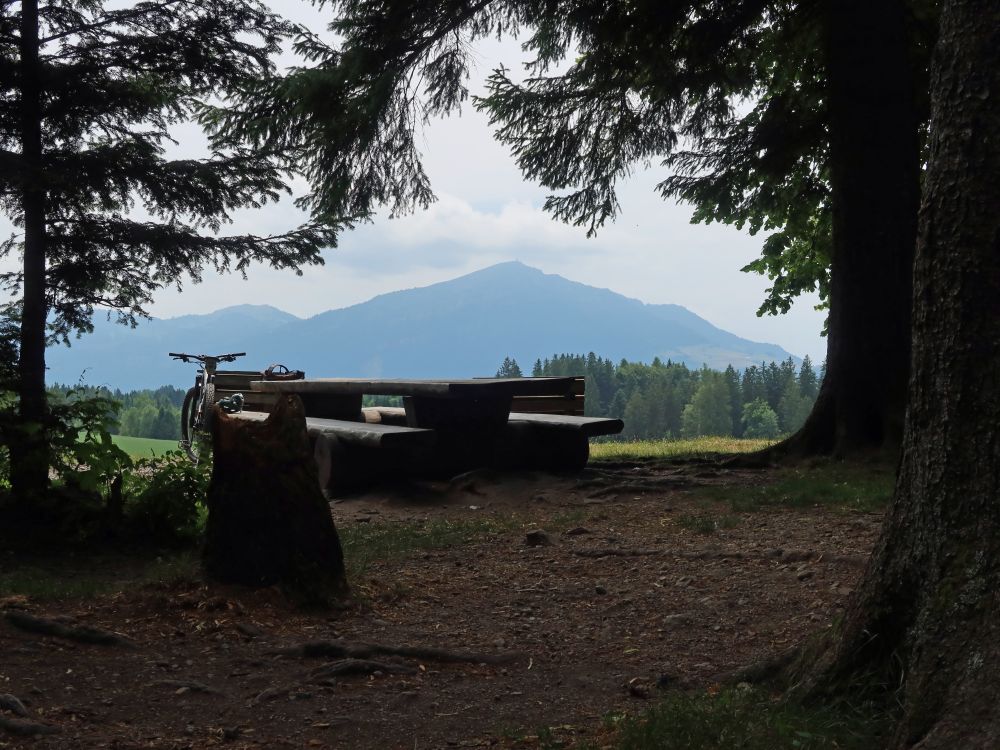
631	583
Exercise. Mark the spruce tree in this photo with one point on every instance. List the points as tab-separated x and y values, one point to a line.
808	383
107	215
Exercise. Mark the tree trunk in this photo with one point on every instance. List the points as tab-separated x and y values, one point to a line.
875	188
268	522
30	451
926	613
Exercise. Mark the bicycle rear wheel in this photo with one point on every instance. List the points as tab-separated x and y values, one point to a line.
188	413
196	425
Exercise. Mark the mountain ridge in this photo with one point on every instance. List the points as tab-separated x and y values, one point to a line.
457	328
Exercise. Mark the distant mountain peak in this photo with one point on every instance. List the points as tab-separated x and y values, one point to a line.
250	310
457	328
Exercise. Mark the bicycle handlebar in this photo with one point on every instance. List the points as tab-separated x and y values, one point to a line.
206	357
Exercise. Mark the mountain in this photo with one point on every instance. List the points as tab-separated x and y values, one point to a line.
458	328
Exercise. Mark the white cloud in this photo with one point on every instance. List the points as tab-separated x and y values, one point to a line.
486	214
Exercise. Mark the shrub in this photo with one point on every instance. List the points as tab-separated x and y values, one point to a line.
165	498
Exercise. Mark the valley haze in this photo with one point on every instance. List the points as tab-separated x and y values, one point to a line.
458	328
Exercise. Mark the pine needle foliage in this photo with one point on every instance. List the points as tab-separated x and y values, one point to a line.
727	97
123	216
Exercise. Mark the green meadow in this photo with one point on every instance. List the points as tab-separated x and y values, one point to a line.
139	447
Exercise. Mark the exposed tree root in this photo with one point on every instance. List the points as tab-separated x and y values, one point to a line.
26	728
762	671
611	552
56	629
778	555
344	649
187	685
358	666
11	703
651	485
271	693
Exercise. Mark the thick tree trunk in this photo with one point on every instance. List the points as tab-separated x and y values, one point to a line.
268	521
926	613
875	187
30	452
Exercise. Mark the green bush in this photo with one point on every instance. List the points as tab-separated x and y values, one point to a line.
164	498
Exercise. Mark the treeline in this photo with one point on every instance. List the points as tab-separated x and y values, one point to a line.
144	413
668	399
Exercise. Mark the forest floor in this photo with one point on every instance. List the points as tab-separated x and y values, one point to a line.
538	609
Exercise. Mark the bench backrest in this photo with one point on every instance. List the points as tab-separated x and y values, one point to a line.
228	382
570	405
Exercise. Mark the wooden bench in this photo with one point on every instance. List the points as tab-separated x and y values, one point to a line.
570	404
538	426
360	451
553	442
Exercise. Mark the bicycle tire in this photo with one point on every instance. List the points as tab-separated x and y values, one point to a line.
207	413
201	434
188	410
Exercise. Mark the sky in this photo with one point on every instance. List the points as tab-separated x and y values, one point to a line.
487	213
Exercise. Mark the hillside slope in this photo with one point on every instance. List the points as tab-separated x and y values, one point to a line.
462	327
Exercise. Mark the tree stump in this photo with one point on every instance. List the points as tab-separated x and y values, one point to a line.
268	522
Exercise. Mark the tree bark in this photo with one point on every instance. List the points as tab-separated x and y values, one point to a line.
926	613
30	451
875	189
268	521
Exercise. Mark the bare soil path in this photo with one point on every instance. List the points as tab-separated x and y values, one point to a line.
574	598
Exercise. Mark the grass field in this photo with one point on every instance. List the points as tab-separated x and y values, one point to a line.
610	451
653	449
138	447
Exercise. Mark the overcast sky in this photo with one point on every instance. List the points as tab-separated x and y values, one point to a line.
486	213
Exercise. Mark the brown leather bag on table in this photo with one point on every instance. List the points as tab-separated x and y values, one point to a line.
280	372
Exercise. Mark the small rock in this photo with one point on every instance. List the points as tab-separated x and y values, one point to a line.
638	688
539	498
250	630
577	531
805	575
189	729
537	538
600	590
677	620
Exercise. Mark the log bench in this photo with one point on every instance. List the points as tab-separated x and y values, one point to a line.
556	442
368	449
444	426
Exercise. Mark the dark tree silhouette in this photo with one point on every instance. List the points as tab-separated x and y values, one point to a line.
925	615
91	95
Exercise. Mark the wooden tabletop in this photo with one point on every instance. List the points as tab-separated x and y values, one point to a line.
460	388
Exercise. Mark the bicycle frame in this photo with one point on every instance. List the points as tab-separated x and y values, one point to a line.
197	408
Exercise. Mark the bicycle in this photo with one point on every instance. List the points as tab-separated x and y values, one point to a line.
196	412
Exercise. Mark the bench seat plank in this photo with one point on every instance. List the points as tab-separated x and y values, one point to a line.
586	426
358	433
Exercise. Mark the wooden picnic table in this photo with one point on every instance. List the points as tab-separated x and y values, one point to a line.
446	425
441	404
